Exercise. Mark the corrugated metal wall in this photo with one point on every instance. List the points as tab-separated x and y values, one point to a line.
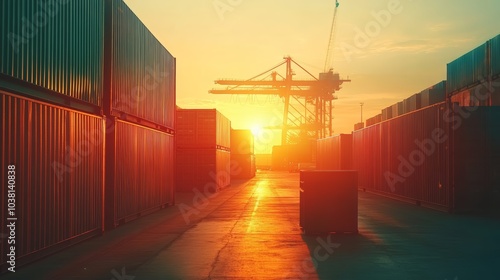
143	71
58	158
477	159
387	113
57	45
468	69
412	103
223	131
202	129
434	94
382	151
495	56
144	170
202	169
402	158
334	153
242	166
374	120
223	168
59	54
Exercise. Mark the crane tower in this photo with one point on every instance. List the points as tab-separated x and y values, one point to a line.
308	107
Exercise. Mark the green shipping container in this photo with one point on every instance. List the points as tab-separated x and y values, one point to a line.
58	45
142	69
93	51
471	68
495	56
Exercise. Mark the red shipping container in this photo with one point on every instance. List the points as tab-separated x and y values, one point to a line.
139	171
334	153
207	170
57	156
242	166
202	129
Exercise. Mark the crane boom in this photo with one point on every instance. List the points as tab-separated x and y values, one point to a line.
329	51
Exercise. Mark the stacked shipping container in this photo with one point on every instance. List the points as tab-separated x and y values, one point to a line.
387	113
140	110
57	154
139	171
202	150
82	101
374	120
59	47
358	126
495	57
242	154
142	71
434	94
474	77
440	156
412	103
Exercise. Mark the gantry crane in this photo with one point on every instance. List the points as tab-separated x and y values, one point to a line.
307	103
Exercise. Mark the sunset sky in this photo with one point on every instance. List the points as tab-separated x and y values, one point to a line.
387	60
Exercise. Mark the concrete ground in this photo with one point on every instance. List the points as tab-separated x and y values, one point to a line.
250	231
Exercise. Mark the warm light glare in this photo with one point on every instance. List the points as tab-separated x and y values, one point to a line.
256	130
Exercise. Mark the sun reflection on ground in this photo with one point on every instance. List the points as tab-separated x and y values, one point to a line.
261	191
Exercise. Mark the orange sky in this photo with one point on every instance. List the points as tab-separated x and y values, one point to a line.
403	52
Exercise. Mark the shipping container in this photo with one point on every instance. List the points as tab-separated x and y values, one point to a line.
57	156
412	103
397	109
328	201
476	160
386	113
242	166
57	45
469	69
242	142
205	170
202	129
479	95
389	158
334	153
434	94
439	157
359	126
495	92
374	120
95	51
142	70
139	171
495	56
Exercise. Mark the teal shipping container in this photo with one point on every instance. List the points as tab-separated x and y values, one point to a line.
96	52
472	67
495	56
57	45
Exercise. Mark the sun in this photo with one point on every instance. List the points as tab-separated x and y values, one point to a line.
256	130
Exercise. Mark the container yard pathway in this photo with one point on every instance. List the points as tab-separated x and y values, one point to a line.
250	231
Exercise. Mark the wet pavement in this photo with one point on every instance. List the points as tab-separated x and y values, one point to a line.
250	231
